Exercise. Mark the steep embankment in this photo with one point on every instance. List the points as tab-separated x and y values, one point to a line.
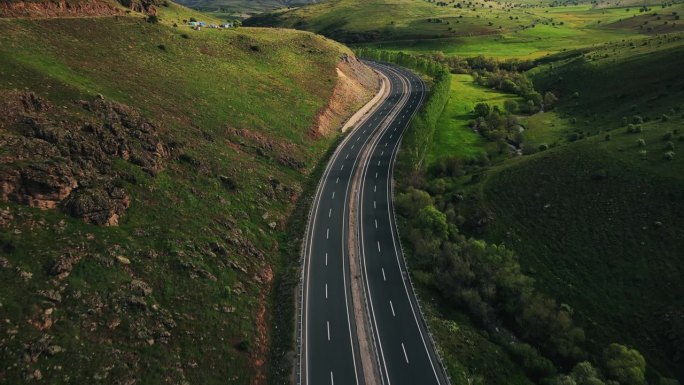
147	175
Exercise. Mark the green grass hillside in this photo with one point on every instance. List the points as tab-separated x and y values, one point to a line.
198	144
598	223
596	220
510	29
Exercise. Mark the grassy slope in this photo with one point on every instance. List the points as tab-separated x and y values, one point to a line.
585	217
454	136
196	87
403	25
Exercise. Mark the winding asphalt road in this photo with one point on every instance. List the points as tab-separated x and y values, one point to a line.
328	333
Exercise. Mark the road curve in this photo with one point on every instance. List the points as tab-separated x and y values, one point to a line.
329	348
406	353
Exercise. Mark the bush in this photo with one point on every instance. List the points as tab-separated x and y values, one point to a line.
534	364
510	106
636	119
664	118
573	137
482	109
643	154
667	136
153	19
550	99
185	36
626	366
634	128
640	142
543	147
669	155
607	137
669	146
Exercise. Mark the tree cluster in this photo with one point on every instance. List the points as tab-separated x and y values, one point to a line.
487	281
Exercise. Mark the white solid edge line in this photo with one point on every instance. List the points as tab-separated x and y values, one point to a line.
308	244
405	98
390	171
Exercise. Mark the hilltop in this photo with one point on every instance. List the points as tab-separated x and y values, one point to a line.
148	180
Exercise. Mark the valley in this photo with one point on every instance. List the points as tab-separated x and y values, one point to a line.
158	181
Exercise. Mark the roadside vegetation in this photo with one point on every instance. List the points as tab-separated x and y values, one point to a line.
566	204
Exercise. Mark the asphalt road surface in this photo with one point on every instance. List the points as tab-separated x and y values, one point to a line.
328	338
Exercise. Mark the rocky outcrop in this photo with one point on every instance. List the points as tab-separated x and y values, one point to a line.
61	8
143	6
50	160
75	8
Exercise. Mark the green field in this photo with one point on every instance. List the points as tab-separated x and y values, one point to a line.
485	28
454	136
235	108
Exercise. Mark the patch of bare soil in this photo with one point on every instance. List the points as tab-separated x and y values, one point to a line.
356	84
261	346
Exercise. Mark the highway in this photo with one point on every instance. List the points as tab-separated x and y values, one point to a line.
329	344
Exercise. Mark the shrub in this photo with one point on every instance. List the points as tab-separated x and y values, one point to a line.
550	99
162	47
185	36
640	142
510	106
534	364
643	154
243	346
669	155
669	146
626	366
543	147
636	119
607	137
667	136
482	109
574	137
664	118
153	19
